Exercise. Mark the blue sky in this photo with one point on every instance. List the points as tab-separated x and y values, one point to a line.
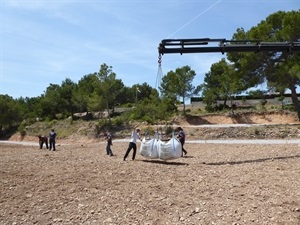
47	41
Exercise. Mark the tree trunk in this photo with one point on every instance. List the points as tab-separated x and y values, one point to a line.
225	103
295	100
232	110
108	112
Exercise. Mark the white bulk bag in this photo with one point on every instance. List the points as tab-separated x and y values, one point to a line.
171	149
148	148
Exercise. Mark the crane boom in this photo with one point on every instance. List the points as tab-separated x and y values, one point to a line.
181	46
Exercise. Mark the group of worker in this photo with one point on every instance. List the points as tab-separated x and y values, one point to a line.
44	140
135	135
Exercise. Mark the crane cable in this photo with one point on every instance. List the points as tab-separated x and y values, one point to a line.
159	74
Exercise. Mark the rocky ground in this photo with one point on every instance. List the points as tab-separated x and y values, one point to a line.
213	184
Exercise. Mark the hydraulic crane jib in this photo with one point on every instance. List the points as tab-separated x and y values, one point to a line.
202	45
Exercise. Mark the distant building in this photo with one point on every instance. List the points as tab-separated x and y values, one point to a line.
247	100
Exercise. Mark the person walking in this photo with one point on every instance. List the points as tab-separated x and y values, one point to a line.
42	140
135	134
108	139
52	137
181	138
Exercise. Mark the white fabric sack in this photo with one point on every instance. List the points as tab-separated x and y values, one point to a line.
148	148
171	149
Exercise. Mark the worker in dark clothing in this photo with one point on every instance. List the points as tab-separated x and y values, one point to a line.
52	137
108	139
42	140
181	138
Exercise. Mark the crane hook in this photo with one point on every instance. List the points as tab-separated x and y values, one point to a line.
159	60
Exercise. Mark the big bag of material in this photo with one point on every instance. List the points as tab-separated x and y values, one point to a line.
148	148
171	149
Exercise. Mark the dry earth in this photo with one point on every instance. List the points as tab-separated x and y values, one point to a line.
214	184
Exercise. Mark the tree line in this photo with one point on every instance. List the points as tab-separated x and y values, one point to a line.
95	92
232	75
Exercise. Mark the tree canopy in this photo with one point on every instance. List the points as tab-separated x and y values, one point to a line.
94	92
178	84
280	70
221	82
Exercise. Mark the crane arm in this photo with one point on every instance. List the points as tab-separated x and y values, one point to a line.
201	45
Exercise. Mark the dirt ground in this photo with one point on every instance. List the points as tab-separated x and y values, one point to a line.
214	184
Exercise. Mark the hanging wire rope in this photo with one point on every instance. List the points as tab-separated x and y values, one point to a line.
159	74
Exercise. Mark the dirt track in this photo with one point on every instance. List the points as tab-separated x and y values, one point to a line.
214	184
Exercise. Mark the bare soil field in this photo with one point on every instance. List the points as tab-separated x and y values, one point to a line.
214	184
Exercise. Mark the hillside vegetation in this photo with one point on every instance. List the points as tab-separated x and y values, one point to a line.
271	125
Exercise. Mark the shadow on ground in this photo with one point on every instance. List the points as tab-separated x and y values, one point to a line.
166	162
252	161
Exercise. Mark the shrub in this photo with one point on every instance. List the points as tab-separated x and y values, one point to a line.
22	129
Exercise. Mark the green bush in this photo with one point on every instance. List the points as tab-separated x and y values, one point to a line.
59	116
22	129
51	123
103	125
148	119
117	121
